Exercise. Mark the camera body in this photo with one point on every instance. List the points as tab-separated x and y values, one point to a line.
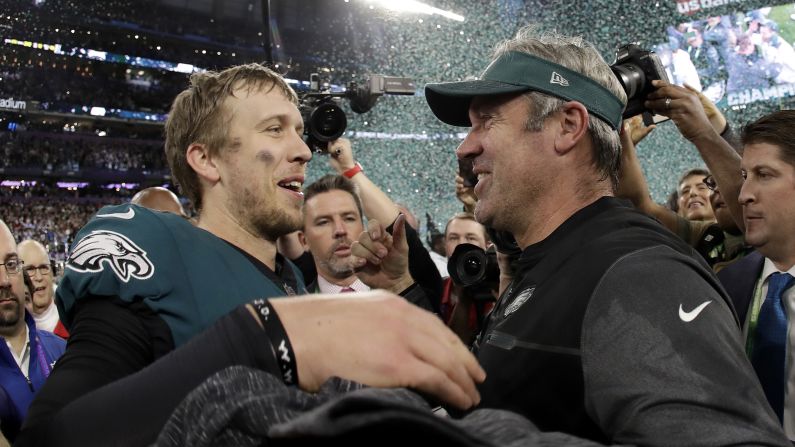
635	68
476	270
324	118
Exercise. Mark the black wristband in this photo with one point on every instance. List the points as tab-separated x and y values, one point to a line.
726	129
280	343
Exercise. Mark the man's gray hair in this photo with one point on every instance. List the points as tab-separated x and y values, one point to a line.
578	55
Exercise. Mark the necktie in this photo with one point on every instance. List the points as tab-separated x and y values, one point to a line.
347	290
770	343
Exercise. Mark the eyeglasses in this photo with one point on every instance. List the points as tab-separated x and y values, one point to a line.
710	182
13	266
43	269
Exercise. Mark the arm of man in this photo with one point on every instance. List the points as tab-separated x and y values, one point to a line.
377	205
663	360
465	194
106	390
461	320
723	161
290	247
632	183
383	261
422	268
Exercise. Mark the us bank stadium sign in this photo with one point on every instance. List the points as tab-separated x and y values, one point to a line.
13	104
760	94
689	7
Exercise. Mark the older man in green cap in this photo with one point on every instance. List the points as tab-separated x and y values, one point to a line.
592	337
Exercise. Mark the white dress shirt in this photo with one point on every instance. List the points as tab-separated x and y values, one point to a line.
327	287
22	358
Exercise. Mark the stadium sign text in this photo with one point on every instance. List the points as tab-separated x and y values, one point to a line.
756	94
690	7
10	103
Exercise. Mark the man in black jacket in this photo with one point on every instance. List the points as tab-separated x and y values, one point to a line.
612	329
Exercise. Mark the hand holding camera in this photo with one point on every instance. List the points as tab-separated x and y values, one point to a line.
464	191
684	107
341	153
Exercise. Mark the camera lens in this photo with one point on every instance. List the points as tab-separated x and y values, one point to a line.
631	77
327	122
472	266
469	264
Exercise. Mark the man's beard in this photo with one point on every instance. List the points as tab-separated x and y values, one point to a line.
340	268
266	220
9	318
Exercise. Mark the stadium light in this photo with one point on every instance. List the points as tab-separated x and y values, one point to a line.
416	7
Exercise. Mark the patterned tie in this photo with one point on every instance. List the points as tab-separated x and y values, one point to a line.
347	290
770	343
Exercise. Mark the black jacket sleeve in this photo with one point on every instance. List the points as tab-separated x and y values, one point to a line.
422	268
306	263
108	389
663	361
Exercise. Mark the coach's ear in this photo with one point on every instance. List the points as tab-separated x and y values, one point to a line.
573	125
201	161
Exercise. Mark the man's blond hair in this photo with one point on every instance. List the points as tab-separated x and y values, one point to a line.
198	115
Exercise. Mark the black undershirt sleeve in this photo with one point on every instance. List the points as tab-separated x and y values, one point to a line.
422	268
306	264
731	137
105	390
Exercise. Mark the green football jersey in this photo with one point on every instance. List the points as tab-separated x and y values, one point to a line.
186	275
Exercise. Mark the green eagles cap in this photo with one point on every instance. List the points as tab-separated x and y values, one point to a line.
517	72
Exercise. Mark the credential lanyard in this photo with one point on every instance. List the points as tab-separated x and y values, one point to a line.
43	364
756	307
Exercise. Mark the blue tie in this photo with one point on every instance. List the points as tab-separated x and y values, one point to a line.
770	343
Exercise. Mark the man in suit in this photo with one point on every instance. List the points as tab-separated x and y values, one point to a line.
333	216
760	284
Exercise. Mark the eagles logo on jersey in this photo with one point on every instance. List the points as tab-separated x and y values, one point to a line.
107	248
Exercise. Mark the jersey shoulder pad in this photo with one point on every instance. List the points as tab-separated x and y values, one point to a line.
117	254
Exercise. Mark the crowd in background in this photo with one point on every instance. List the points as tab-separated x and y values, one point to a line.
65	152
161	30
52	215
37	75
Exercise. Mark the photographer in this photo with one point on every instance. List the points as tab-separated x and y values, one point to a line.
463	308
700	125
592	337
718	242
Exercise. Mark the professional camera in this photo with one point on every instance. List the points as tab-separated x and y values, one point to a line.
324	119
476	270
635	68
